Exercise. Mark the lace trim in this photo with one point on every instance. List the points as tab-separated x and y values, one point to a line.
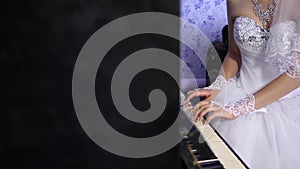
243	106
294	66
283	48
218	83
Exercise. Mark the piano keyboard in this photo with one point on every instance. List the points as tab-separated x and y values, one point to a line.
227	158
203	148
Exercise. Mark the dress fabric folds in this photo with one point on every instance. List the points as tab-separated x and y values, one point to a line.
270	137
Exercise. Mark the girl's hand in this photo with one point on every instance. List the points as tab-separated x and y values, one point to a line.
228	111
209	95
215	111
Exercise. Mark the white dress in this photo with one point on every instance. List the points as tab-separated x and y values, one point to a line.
270	137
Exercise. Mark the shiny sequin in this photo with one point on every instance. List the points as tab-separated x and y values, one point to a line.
250	34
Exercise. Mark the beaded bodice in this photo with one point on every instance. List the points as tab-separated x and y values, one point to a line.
249	34
252	40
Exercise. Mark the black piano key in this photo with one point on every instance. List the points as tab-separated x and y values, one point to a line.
205	153
189	142
211	165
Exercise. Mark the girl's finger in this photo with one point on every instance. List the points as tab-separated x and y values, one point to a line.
199	104
211	108
197	93
198	113
212	116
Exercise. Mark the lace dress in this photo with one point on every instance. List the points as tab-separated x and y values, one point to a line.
270	137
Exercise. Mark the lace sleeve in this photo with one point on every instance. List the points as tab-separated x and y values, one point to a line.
218	83
283	48
245	105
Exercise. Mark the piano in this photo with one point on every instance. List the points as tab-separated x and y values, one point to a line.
204	148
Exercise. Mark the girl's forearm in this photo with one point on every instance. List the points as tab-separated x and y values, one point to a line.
231	66
275	90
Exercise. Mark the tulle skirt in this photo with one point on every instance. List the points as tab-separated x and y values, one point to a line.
266	139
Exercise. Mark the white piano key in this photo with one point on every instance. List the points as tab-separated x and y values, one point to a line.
227	158
219	148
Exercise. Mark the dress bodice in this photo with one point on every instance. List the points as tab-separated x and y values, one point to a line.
255	72
249	35
251	39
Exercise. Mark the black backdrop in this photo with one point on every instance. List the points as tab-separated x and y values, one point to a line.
41	41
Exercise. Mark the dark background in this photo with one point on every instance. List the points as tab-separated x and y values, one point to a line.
40	44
